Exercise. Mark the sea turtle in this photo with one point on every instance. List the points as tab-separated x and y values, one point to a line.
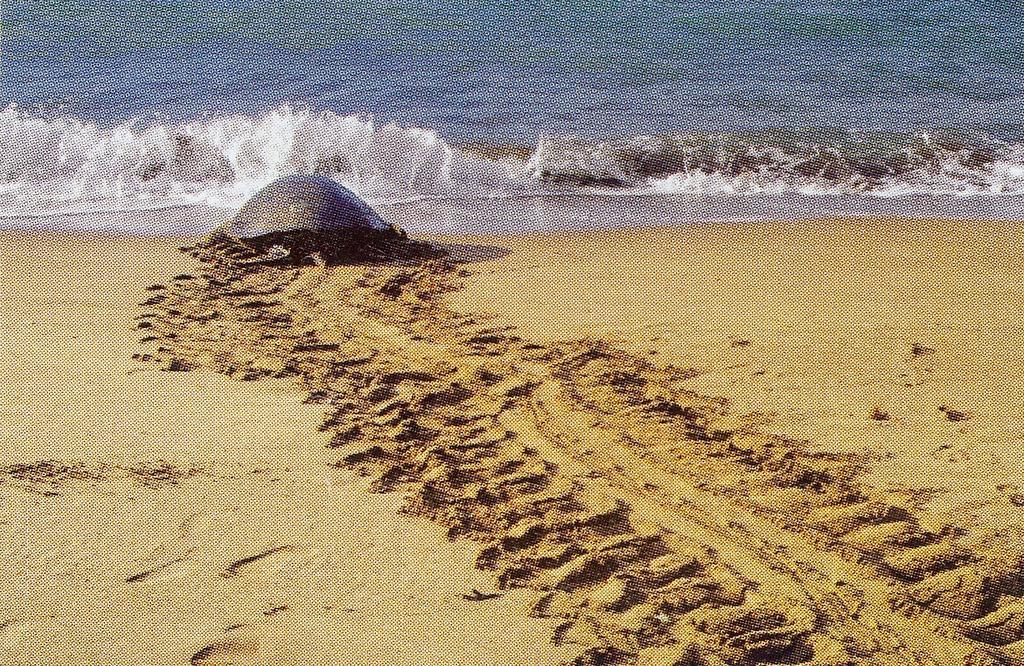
302	218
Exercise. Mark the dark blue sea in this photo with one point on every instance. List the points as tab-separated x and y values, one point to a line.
156	103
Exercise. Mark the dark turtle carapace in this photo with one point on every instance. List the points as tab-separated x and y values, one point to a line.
299	219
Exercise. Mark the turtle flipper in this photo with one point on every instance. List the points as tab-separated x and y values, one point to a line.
273	254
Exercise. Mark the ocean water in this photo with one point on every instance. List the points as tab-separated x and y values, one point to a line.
751	106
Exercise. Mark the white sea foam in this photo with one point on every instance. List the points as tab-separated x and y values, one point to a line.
67	164
62	165
753	165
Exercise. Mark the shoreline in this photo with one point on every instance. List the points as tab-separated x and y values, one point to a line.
551	213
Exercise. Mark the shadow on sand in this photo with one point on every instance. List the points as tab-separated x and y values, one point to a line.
351	248
468	253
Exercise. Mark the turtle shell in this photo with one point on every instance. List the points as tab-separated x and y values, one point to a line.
303	203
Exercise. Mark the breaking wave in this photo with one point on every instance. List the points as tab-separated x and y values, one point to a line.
67	164
777	162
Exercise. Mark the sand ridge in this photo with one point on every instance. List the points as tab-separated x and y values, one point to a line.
661	526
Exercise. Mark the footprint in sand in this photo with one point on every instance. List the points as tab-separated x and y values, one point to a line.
242	565
951	454
227	653
150	574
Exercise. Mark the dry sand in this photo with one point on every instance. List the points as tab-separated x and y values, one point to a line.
692	446
146	517
814	325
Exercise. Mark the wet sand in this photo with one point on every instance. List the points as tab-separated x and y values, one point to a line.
697	445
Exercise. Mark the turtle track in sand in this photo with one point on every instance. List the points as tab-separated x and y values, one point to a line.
658	526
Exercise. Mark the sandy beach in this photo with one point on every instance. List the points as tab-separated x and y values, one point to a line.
149	517
812	325
786	442
512	334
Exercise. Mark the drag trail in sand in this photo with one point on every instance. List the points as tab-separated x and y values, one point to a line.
159	518
659	525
